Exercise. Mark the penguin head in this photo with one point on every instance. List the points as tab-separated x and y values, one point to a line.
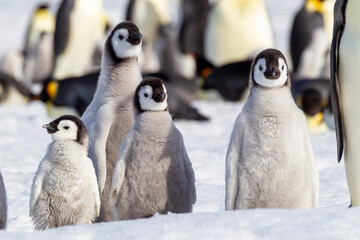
269	70
151	95
67	127
124	41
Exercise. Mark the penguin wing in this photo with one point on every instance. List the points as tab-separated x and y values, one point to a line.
339	25
94	186
62	28
232	158
99	133
37	184
119	170
189	171
3	204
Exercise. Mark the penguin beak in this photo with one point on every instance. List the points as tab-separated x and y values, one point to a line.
135	39
159	97
272	73
50	129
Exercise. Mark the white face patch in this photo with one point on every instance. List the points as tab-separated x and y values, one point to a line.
67	130
122	47
259	77
147	103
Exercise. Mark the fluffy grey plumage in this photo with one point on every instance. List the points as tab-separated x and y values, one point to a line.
110	115
270	162
154	173
3	204
64	189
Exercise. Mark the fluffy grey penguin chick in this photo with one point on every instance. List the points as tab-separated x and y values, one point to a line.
65	189
270	162
153	173
3	204
110	115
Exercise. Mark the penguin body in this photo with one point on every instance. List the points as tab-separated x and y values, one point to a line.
64	189
236	30
79	28
270	162
3	204
230	80
309	41
110	115
345	59
153	165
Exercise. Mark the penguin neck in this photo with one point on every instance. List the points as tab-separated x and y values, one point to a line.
270	100
64	150
117	77
154	123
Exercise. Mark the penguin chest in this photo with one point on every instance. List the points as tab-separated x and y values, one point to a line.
349	84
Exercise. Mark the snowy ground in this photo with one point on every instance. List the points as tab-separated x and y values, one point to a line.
23	143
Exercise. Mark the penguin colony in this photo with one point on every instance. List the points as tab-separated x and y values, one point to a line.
262	168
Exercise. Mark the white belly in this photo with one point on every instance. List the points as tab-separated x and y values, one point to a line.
349	82
236	31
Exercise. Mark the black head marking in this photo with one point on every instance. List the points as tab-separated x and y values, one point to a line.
158	95
81	133
134	38
273	70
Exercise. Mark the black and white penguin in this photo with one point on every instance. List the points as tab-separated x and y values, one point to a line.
230	80
3	204
80	27
310	39
153	173
65	189
110	115
345	59
312	95
237	30
270	162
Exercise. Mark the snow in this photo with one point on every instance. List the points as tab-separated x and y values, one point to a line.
23	143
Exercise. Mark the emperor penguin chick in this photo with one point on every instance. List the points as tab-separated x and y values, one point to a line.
270	162
110	115
153	173
65	189
3	204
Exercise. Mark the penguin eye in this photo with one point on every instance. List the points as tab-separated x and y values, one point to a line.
146	95
283	67
121	37
260	68
66	127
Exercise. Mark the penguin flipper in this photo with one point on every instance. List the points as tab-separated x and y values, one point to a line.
62	28
37	185
339	24
119	170
189	171
232	158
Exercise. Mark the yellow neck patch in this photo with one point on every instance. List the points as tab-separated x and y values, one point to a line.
315	6
51	90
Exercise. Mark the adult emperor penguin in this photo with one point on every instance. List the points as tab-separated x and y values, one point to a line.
270	162
345	58
64	189
110	115
236	30
153	173
80	26
310	39
3	204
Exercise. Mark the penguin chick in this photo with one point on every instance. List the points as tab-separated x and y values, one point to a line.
65	189
270	162
153	173
3	204
110	115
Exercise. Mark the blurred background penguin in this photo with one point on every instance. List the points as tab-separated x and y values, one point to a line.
310	47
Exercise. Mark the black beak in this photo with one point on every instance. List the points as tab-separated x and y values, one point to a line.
135	39
272	73
50	129
160	97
